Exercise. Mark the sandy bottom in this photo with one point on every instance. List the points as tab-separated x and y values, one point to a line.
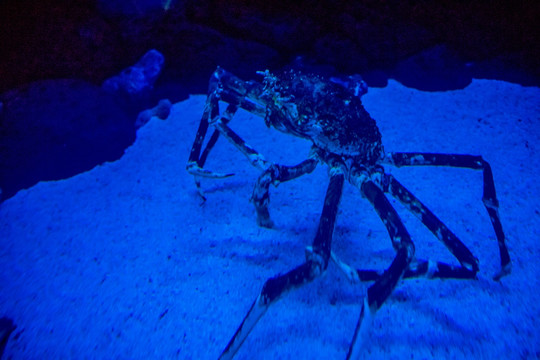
124	262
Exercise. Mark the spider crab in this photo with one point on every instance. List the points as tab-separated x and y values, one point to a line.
330	114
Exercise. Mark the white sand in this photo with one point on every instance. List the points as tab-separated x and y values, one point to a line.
123	262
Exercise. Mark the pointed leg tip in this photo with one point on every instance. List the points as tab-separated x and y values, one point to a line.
362	330
507	269
263	217
266	223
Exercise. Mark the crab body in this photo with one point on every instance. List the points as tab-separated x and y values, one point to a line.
327	113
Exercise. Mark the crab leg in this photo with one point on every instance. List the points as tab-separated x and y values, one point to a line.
417	268
316	263
255	158
227	116
489	197
225	87
385	284
196	161
276	174
430	220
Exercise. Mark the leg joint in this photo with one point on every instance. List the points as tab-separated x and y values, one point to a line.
318	260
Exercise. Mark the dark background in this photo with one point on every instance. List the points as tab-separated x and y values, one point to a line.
43	39
56	121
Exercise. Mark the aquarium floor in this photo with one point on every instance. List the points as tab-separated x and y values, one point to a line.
126	262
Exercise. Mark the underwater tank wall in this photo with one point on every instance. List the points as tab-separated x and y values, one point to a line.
106	239
88	39
430	46
134	7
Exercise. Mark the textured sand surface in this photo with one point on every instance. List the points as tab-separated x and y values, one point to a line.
124	262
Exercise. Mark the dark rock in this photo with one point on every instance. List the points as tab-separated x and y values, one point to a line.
343	54
161	111
139	79
62	38
47	39
435	69
54	129
430	45
133	7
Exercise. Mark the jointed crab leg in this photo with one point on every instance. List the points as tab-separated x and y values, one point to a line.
430	269
274	175
467	260
227	116
255	158
224	87
315	264
489	197
196	161
417	268
385	284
